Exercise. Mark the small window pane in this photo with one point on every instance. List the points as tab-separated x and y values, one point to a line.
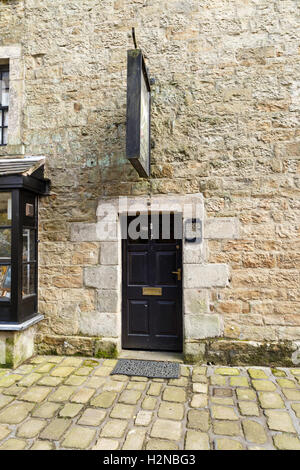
4	89
4	98
28	279
28	245
5	208
5	118
5	282
5	244
5	136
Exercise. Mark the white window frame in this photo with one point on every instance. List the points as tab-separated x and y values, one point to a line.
13	56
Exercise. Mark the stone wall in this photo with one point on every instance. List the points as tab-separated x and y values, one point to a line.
225	123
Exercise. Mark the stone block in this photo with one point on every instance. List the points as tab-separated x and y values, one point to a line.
221	227
194	352
194	253
107	347
207	275
102	277
99	324
17	346
82	232
196	301
109	253
108	300
166	429
203	326
196	440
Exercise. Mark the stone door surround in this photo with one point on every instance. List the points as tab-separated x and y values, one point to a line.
199	276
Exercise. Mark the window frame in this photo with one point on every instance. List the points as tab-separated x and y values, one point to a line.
3	109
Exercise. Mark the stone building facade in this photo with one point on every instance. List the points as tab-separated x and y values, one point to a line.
225	132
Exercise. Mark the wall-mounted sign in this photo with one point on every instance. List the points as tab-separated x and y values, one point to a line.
193	231
138	113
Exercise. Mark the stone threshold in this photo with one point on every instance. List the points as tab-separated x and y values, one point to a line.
21	326
168	356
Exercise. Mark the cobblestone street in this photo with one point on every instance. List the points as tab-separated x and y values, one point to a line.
74	403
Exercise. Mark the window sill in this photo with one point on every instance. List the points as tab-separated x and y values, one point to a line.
6	150
21	326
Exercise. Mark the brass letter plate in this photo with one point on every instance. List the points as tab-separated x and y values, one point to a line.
152	291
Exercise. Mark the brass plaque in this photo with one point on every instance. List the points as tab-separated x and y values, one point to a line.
152	291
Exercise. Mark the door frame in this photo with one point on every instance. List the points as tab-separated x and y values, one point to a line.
124	245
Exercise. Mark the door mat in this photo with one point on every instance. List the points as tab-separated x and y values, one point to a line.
151	369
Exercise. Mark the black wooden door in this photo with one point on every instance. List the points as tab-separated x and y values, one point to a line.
152	291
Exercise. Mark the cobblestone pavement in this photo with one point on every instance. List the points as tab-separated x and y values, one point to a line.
74	403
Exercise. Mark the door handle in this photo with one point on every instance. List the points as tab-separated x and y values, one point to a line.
178	272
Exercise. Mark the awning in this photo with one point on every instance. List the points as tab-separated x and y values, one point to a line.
24	173
20	166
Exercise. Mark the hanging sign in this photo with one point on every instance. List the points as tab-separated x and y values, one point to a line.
138	113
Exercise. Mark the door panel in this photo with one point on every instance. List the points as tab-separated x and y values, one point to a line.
138	318
152	322
137	268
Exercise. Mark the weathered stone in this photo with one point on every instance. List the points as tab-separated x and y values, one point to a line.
130	397
210	275
280	421
286	442
70	410
143	418
154	389
199	401
115	428
174	394
42	445
46	410
228	444
62	393
159	444
50	381
198	420
92	417
239	382
196	440
200	388
73	380
227	428
286	383
166	429
106	444
257	374
122	411
104	400
4	432
222	227
223	412
270	400
31	428
227	371
83	395
243	394
296	408
248	408
264	385
171	411
79	437
254	432
15	413
134	439
149	403
200	326
13	444
55	429
5	400
62	371
217	380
